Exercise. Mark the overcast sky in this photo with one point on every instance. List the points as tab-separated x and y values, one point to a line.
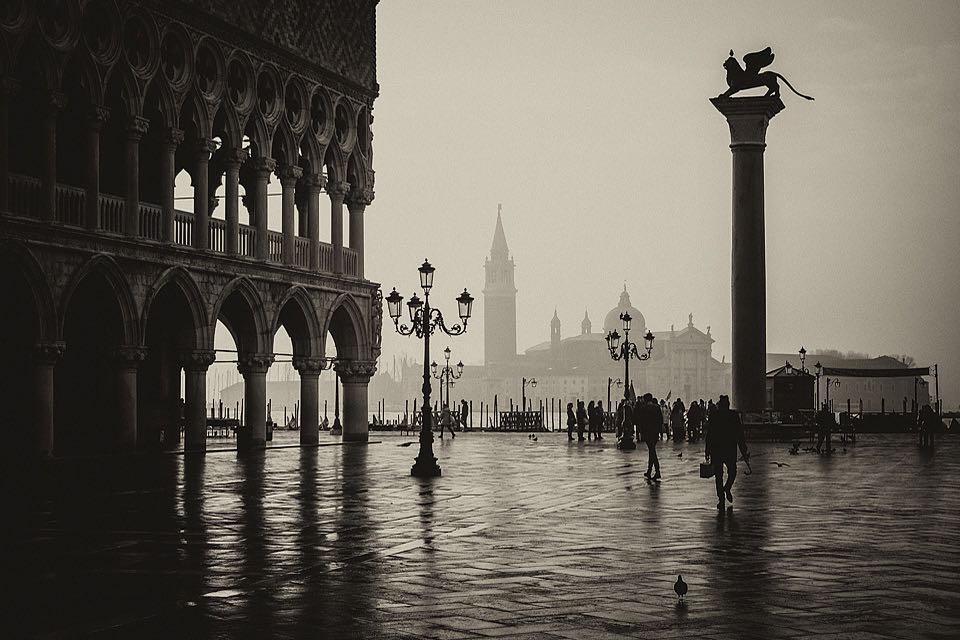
590	122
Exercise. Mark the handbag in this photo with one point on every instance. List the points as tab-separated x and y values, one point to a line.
706	469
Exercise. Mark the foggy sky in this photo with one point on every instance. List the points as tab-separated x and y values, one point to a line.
590	122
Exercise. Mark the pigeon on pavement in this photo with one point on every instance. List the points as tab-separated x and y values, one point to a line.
680	588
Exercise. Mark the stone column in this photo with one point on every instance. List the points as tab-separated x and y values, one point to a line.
314	184
354	376
262	168
48	178
172	138
201	198
46	356
128	358
195	365
309	369
288	184
232	161
254	368
136	127
91	198
357	204
337	191
8	89
748	119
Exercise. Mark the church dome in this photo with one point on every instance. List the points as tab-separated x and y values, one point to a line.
612	320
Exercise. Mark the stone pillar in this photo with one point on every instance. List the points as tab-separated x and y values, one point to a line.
48	172
288	184
232	161
262	168
354	376
128	358
748	119
201	197
46	356
136	127
195	365
314	184
254	368
337	191
91	198
8	89
172	138
357	204
309	369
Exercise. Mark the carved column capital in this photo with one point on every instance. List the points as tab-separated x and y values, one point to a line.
315	182
129	356
289	175
355	370
254	362
48	353
748	118
172	137
309	365
204	147
338	190
197	360
359	199
262	166
56	100
234	157
97	115
136	127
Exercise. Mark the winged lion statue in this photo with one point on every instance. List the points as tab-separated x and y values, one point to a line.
739	78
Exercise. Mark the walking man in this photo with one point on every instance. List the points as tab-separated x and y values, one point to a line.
724	437
650	421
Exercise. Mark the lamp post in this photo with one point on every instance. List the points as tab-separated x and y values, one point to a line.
818	369
803	359
836	383
523	391
423	322
446	374
624	351
611	381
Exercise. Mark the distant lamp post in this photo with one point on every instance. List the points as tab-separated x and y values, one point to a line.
523	391
818	369
624	351
788	368
835	383
423	322
446	374
611	381
803	359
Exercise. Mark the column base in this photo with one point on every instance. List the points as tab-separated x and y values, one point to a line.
356	437
425	468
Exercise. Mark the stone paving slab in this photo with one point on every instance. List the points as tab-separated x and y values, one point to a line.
518	539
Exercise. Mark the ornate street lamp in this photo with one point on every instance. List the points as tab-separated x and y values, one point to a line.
803	359
612	381
523	391
446	374
818	369
423	322
624	351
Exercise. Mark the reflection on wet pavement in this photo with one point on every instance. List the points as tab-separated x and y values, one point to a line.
518	539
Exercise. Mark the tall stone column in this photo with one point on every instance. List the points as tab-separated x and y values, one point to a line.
48	178
337	192
253	367
357	205
8	89
262	168
288	184
171	139
748	119
136	127
309	369
354	377
46	356
195	365
314	184
201	197
128	359
232	161
91	199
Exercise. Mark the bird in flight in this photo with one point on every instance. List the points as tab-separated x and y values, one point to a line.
780	464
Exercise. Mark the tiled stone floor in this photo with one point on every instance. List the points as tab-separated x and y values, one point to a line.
518	539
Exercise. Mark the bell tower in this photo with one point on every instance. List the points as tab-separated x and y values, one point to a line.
555	336
499	302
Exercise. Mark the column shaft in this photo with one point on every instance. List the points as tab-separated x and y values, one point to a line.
91	198
313	221
46	357
8	88
195	409
355	425
309	407
232	204
337	191
356	209
48	177
127	359
262	168
254	370
131	215
168	172
201	197
288	184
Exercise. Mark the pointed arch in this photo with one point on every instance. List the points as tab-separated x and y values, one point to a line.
121	79
334	162
256	131
241	309
180	278
159	102
296	313
284	147
346	323
83	77
116	279
227	124
197	119
16	256
356	175
311	155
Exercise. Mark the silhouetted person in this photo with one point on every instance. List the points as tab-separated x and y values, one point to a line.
928	423
650	421
464	412
723	440
694	421
571	421
581	419
665	422
591	419
676	420
826	423
600	417
446	420
954	425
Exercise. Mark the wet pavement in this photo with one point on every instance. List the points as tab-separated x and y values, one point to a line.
519	539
